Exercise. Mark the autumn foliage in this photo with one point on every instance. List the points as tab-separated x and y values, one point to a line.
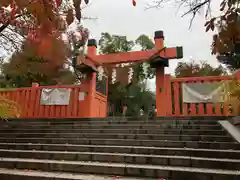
37	20
20	61
8	108
233	95
40	13
228	27
43	28
30	15
194	69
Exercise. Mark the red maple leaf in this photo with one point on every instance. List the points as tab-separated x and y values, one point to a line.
13	11
134	3
58	2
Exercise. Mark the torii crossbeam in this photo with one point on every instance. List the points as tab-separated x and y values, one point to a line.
158	58
136	56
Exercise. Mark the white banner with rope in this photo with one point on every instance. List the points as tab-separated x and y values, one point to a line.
55	96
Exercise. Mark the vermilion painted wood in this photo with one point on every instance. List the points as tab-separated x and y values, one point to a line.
23	102
52	111
70	107
32	102
29	102
63	111
168	94
217	109
160	95
185	109
176	98
193	109
27	105
75	101
102	100
37	103
209	106
201	108
209	109
130	57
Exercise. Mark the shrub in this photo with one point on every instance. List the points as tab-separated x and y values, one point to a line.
232	95
8	108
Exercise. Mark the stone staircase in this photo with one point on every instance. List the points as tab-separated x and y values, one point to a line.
114	149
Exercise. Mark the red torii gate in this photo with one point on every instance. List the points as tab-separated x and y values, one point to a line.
158	58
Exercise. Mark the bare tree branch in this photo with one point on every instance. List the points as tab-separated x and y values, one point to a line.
10	40
194	6
89	18
4	26
156	4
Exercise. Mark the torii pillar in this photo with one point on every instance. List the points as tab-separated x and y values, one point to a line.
157	57
163	82
160	82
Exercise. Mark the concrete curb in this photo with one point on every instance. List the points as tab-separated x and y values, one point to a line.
231	129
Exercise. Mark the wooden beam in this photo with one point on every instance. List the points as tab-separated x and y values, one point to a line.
124	57
172	53
137	56
90	63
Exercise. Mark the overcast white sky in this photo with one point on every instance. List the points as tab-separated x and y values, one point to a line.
119	17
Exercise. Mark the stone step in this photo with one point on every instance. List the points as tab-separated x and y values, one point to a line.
163	160
127	131
119	169
127	142
142	131
196	152
16	174
175	137
107	124
113	121
111	126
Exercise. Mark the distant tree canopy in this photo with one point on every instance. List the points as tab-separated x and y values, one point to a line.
193	69
226	44
135	95
145	42
26	67
113	44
